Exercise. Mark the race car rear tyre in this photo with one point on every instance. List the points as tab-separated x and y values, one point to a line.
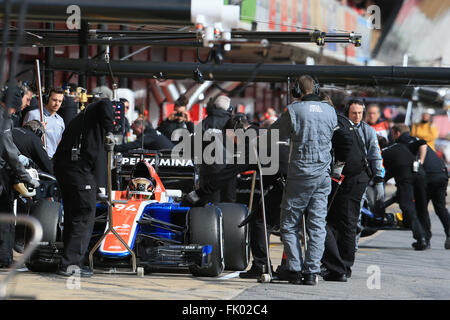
206	228
237	246
46	257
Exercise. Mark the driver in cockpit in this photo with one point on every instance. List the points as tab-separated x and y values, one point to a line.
141	189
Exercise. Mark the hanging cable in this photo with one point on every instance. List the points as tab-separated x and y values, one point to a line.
114	85
208	58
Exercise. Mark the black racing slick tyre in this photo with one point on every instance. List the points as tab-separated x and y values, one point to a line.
367	228
205	227
46	257
367	231
237	246
47	213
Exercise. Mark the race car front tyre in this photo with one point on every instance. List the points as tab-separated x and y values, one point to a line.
205	227
45	258
367	229
237	246
47	213
47	255
366	232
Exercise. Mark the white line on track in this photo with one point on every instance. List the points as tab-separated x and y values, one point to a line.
230	276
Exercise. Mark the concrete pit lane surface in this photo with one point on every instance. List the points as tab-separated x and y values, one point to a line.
386	268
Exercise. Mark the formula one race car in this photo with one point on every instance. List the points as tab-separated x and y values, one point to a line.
159	232
374	218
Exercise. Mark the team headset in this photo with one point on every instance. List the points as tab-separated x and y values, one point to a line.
298	89
347	107
39	131
46	96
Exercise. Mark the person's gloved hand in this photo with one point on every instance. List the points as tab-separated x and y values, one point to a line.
190	199
109	141
379	192
337	170
33	183
24	160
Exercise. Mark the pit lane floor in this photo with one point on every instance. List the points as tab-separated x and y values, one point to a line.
386	267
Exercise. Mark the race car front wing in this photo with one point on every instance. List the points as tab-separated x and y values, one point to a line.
176	256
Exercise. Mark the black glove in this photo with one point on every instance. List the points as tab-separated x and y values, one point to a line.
190	199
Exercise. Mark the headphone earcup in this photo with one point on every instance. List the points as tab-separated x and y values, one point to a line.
39	132
316	88
345	110
296	90
46	97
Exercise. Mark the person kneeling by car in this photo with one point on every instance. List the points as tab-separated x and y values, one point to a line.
222	178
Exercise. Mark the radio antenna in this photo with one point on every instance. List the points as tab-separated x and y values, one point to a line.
142	142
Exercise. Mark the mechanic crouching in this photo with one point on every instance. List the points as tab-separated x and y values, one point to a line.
28	140
436	180
221	179
74	166
227	171
398	161
274	184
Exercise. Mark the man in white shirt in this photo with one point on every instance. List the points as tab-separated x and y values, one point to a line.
54	124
